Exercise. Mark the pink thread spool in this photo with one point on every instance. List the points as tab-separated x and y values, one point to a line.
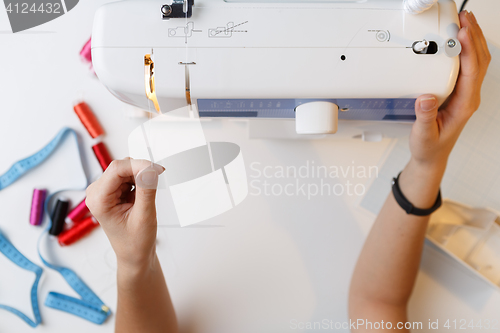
37	206
86	52
77	214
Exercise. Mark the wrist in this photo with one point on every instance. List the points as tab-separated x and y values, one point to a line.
139	266
137	279
427	167
420	182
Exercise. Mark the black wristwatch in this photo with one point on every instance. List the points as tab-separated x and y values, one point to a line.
408	206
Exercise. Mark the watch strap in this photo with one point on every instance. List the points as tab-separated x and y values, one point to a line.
407	206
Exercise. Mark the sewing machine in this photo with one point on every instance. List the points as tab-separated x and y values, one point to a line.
316	62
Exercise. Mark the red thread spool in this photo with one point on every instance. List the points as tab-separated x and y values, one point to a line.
78	213
88	119
102	154
78	231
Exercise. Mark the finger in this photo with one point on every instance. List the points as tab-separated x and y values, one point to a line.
467	83
145	193
479	41
124	191
89	193
426	110
125	187
127	198
467	20
120	172
484	44
469	64
130	198
481	36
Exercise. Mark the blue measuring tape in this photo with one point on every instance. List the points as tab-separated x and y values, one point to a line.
16	257
23	166
89	307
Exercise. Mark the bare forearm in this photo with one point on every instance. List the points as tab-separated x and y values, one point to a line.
390	259
385	274
144	303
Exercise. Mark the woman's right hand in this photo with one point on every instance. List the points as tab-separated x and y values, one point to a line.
434	133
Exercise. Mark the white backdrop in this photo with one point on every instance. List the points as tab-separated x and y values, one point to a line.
256	268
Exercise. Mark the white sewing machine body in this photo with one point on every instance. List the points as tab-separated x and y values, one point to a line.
262	60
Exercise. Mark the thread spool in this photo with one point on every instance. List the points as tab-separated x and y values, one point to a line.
77	214
37	204
418	6
78	231
102	154
86	55
86	52
88	119
58	216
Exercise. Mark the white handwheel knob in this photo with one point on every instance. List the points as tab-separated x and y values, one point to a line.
316	118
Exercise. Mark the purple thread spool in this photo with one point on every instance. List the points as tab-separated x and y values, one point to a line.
37	205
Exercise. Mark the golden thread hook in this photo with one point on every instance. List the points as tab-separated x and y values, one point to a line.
149	81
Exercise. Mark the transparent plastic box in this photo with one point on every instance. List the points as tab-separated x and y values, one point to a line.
471	236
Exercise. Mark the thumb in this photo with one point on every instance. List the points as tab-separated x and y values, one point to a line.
146	184
426	110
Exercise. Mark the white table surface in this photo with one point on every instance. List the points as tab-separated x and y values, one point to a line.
271	260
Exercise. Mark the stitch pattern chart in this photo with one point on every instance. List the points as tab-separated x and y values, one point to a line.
225	32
